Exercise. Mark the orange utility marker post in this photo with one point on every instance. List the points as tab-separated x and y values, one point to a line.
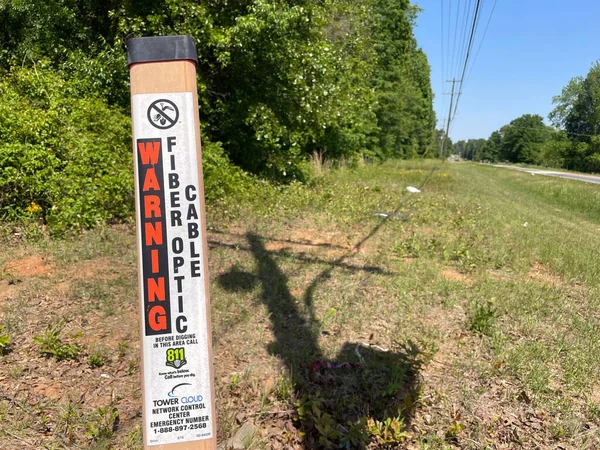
177	372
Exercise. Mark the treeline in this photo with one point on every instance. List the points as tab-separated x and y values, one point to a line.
278	81
571	142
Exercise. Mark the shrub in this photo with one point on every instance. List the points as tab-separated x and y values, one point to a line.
64	160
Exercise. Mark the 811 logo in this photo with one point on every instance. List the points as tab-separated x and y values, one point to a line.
176	357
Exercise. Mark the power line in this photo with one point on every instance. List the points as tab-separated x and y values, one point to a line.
455	38
482	39
463	40
469	47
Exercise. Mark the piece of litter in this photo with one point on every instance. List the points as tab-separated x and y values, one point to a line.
376	347
381	214
365	345
412	189
104	375
358	355
525	224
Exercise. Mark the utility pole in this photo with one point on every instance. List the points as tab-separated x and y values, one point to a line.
443	148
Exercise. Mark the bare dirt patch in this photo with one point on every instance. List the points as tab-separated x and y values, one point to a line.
542	273
29	267
454	275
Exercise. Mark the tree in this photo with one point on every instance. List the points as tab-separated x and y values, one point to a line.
492	148
401	81
460	148
580	108
565	102
523	138
577	111
278	79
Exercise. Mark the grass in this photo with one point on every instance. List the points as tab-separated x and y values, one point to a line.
469	317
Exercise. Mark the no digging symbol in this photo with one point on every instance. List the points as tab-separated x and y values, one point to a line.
163	114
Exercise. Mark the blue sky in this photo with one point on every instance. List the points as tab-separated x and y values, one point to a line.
531	51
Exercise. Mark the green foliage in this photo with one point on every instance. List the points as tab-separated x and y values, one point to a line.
101	425
97	359
454	430
523	138
389	431
278	80
482	317
64	159
222	179
50	344
310	411
405	117
284	390
4	340
573	142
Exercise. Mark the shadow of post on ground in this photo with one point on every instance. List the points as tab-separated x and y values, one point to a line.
366	395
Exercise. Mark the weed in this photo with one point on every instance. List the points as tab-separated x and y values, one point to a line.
135	438
102	424
97	359
389	431
311	414
68	418
4	341
397	379
235	380
16	371
13	316
463	256
482	318
123	348
453	431
132	367
50	344
409	248
327	319
284	390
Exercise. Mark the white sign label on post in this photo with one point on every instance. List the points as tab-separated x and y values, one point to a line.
173	296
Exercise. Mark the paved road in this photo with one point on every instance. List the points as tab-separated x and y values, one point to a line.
550	173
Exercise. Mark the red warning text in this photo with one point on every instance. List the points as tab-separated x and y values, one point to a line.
152	222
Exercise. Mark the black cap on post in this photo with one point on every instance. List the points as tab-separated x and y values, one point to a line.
161	48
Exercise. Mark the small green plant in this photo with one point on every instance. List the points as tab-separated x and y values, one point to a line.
50	344
235	380
135	439
122	349
464	257
132	367
410	248
4	340
389	431
453	431
102	423
97	359
284	389
67	420
397	379
313	418
482	318
327	319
